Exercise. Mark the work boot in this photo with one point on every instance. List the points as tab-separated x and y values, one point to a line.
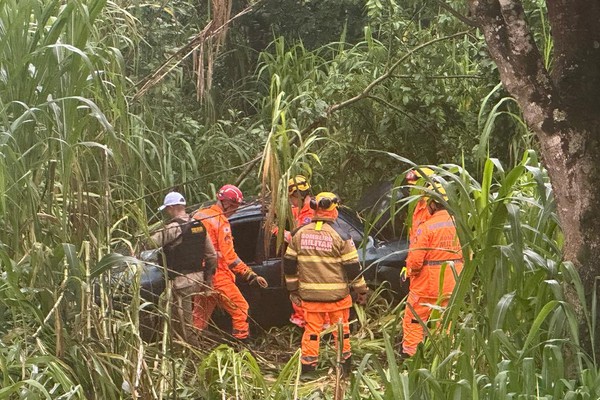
404	356
347	367
309	373
308	368
244	341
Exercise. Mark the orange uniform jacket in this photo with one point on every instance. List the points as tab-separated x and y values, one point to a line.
420	215
436	242
219	230
303	216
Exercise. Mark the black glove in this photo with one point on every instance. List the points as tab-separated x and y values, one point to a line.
254	280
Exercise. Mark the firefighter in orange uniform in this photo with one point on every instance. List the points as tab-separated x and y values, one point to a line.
215	219
420	213
299	194
321	265
432	256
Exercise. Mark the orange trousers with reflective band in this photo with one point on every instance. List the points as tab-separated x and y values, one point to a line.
424	290
316	314
231	300
413	332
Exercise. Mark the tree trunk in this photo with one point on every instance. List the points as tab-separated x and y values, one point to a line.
562	107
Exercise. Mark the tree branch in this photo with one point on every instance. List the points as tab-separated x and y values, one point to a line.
364	94
389	73
456	14
399	110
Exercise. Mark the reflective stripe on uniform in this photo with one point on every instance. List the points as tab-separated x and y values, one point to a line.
318	259
440	262
323	286
359	282
349	256
234	264
309	359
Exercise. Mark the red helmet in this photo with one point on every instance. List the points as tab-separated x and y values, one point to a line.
231	193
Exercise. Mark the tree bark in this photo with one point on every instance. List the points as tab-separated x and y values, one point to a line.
562	108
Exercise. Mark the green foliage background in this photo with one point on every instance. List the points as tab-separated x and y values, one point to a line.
84	164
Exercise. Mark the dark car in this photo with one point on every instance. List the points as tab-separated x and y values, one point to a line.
381	261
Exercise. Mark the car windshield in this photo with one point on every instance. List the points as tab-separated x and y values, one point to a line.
350	222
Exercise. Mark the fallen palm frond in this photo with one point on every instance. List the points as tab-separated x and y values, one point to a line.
205	46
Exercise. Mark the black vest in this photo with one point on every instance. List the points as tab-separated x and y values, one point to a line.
188	255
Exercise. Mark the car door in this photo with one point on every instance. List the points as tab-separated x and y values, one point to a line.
268	306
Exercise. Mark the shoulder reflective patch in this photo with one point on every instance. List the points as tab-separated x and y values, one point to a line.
197	229
442	224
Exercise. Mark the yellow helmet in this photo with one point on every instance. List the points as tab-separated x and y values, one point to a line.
325	201
438	188
414	175
298	182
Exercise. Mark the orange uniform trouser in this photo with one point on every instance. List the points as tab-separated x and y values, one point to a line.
425	289
297	315
316	315
411	326
231	300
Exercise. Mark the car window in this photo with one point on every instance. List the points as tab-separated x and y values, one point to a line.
357	236
245	239
272	250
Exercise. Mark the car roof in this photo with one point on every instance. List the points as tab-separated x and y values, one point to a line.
248	210
254	208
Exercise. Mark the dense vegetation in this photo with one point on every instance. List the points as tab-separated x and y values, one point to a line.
86	155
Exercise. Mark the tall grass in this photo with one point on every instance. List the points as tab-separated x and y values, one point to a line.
509	330
68	171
